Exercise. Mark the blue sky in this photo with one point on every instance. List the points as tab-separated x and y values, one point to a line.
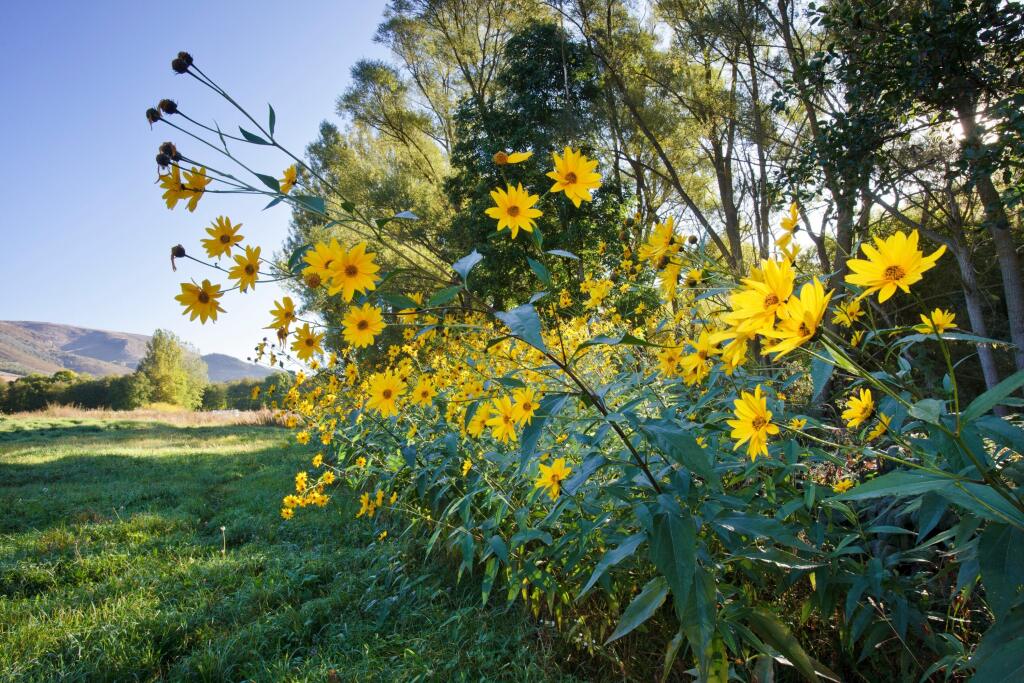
85	235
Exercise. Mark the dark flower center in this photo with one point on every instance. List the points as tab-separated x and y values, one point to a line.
351	271
894	273
570	178
513	211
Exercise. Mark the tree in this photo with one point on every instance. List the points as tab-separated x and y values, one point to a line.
176	374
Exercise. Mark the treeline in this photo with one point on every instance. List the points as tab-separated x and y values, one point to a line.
169	373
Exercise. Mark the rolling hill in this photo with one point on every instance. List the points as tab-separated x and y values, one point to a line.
45	348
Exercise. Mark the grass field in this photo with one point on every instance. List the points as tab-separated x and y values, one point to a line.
113	566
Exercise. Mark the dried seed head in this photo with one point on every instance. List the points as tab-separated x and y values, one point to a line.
152	115
170	150
163	160
692	239
178	251
181	63
168	106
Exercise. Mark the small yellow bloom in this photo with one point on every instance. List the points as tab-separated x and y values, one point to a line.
287	513
503	420
385	389
353	271
307	342
938	321
526	404
843	486
753	423
284	314
467	465
514	210
382	535
318	460
424	391
800	319
893	263
200	300
859	408
288	181
223	236
551	477
360	461
848	313
574	175
362	324
881	428
797	424
503	158
246	269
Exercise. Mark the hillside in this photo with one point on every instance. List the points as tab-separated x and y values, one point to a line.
45	348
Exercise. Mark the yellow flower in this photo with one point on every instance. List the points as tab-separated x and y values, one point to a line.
668	361
195	184
360	461
503	420
859	408
284	314
246	268
551	477
660	245
223	236
362	324
574	175
307	342
503	158
318	460
287	513
288	181
318	263
848	313
797	424
385	389
382	535
255	393
302	437
843	486
301	482
857	338
467	465
792	221
938	321
881	428
393	498
894	263
753	423
353	271
526	403
514	209
173	187
424	391
479	420
799	319
200	300
694	277
765	292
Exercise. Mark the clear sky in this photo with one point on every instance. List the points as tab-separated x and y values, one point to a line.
84	236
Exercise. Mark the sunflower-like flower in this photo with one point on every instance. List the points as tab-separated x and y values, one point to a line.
859	408
551	477
893	263
194	187
478	422
753	424
284	314
288	181
318	263
503	419
385	389
353	271
362	324
514	210
661	245
763	296
223	236
246	268
307	342
938	321
424	391
848	313
574	175
526	404
881	428
503	158
200	300
800	319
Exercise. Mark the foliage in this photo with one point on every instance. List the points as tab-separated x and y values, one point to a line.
66	387
114	567
175	374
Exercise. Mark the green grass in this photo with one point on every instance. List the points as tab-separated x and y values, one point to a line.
111	568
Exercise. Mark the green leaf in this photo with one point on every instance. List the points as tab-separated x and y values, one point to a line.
524	323
679	446
314	204
674	553
295	260
563	253
550	406
993	396
271	118
777	635
1002	566
443	296
625	339
270	182
466	263
671	652
642	608
821	372
929	410
399	301
499	547
251	137
1000	654
540	270
612	558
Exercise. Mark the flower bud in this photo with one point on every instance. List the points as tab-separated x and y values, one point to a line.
692	239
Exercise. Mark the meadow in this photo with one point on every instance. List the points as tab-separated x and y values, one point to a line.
136	549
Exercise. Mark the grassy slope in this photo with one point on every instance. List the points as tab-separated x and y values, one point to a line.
111	569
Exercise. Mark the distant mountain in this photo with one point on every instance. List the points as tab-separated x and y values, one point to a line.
45	348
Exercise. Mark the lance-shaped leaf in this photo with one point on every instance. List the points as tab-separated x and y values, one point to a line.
524	323
466	263
642	608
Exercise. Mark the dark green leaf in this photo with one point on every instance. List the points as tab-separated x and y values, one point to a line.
250	137
524	323
674	553
540	270
777	635
443	296
271	118
270	182
612	558
929	410
1002	566
642	608
993	396
466	263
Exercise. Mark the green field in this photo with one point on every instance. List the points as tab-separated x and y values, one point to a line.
113	567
